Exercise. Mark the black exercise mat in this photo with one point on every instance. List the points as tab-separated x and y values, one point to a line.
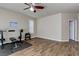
8	48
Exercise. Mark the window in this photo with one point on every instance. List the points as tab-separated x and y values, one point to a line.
31	26
13	24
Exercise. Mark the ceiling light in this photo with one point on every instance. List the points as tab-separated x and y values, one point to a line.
32	9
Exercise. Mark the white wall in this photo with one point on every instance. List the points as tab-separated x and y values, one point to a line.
6	16
50	27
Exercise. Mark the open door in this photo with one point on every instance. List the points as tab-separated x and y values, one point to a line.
73	30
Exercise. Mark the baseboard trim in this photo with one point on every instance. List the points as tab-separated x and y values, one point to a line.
52	39
77	40
33	37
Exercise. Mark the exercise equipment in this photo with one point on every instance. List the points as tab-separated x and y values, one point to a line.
27	35
13	40
2	39
20	37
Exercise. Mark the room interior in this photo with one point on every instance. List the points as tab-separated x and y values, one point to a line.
39	29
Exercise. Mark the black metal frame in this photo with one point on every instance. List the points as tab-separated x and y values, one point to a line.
2	39
27	35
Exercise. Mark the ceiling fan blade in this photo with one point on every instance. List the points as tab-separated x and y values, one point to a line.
26	8
27	5
39	7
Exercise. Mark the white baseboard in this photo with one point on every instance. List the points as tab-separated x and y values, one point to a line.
77	40
33	36
53	39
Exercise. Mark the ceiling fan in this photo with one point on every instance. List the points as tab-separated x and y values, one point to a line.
33	7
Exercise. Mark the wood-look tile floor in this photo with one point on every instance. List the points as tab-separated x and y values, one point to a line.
44	47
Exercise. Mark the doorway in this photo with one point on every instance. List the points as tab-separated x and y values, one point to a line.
72	30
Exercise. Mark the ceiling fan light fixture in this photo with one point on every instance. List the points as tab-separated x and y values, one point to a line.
31	9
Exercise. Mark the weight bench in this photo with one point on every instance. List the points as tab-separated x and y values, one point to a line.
14	42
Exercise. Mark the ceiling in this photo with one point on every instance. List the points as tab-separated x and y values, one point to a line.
50	8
